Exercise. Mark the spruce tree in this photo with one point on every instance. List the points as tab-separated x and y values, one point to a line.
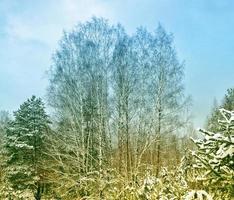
227	103
215	157
24	147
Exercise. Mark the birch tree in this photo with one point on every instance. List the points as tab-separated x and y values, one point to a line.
79	88
116	96
161	89
168	89
124	76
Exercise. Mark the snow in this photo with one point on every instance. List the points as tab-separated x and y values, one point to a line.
198	194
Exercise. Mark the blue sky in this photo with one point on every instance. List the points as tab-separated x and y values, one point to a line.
203	32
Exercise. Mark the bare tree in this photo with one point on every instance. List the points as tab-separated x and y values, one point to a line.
117	97
79	89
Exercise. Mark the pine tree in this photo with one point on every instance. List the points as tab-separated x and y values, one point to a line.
212	120
24	147
227	103
215	157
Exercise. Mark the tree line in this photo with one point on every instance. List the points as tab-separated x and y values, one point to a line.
120	117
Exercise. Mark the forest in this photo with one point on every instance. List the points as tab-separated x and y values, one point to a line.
116	125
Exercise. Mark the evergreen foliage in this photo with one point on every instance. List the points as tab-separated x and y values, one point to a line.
227	103
214	158
25	138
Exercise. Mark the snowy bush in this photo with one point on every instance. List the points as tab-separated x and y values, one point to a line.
198	195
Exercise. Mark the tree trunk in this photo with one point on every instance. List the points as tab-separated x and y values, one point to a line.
159	138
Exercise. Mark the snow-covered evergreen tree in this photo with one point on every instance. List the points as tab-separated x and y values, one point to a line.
227	103
212	119
215	157
24	148
4	119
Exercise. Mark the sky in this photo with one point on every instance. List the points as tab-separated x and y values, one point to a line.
202	29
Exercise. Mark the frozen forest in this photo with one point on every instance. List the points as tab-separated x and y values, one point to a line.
116	125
